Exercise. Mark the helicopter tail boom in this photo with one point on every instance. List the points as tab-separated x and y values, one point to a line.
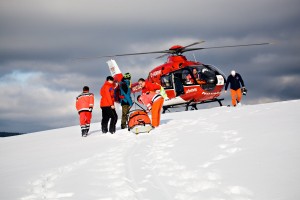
115	70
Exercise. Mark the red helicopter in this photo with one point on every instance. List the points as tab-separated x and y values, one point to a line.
185	82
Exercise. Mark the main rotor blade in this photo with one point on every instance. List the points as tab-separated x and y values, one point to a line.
166	54
132	54
230	46
195	43
127	54
180	50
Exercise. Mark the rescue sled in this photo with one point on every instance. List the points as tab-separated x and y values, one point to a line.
139	121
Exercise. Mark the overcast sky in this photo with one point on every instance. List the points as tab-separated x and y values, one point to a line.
39	78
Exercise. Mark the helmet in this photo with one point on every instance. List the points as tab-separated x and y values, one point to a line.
232	73
127	75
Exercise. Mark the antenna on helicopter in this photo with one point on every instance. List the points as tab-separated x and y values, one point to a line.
194	57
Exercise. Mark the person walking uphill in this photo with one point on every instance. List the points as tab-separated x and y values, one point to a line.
235	80
108	107
84	106
151	98
125	98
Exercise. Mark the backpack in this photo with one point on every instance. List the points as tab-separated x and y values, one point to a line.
117	94
124	93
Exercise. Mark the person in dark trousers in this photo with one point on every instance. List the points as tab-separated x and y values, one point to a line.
235	80
125	98
107	105
84	106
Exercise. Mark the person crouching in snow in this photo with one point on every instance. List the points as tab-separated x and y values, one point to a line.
154	103
107	105
84	106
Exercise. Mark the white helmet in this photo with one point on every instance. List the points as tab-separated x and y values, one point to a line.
232	73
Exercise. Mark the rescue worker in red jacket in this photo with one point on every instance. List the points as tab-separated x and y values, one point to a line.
84	106
107	105
151	98
148	86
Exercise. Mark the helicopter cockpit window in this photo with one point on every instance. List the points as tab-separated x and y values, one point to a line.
206	77
166	81
197	75
193	75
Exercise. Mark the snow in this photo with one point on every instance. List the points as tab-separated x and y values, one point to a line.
243	153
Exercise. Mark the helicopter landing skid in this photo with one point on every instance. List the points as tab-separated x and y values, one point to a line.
193	104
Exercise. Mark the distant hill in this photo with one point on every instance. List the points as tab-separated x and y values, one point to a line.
8	134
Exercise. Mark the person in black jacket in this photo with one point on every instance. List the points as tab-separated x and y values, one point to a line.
235	80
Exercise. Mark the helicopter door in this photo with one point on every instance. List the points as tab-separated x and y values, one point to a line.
178	85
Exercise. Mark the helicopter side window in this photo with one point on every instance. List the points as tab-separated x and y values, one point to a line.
186	77
166	81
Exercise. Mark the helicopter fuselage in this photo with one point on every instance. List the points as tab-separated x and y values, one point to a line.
188	82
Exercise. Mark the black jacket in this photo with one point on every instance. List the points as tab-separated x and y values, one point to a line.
235	82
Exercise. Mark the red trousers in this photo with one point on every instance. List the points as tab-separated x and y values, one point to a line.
236	95
85	119
156	111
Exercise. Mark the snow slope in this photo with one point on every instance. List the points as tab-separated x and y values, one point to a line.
249	152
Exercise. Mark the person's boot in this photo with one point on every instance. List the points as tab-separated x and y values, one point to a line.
123	126
86	133
104	130
112	130
83	132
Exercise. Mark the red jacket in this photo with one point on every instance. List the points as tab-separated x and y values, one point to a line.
85	101
107	94
150	87
149	98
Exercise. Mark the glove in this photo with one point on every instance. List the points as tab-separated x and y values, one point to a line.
90	109
244	90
